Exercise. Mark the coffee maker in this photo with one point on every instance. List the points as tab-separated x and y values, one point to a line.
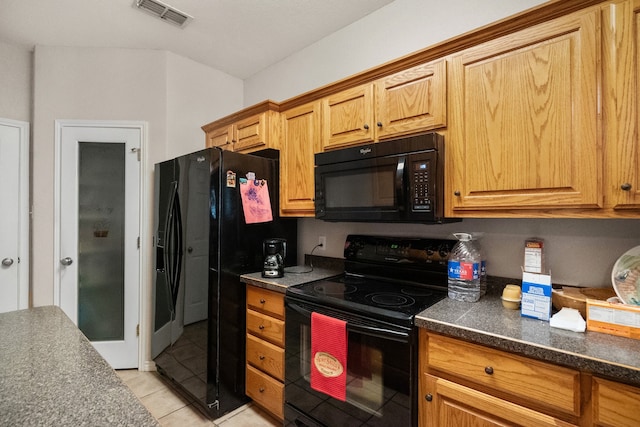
274	251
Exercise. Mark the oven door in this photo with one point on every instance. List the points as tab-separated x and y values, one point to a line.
381	373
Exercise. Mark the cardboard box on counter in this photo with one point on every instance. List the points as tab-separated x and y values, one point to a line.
615	319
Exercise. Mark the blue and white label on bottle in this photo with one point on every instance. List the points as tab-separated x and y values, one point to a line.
464	270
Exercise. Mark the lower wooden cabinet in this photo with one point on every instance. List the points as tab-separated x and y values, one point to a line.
448	404
615	404
265	349
465	384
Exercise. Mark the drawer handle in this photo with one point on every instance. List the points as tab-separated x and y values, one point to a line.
428	397
488	370
261	327
262	301
261	357
261	389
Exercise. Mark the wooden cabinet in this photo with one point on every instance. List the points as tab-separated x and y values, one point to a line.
406	102
412	100
253	129
462	383
301	139
449	404
621	86
265	349
524	120
348	118
468	384
614	404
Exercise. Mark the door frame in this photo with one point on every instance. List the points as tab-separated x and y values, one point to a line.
144	178
24	212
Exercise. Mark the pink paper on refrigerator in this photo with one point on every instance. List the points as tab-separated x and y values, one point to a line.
256	204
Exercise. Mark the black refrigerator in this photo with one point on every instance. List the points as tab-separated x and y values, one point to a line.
204	240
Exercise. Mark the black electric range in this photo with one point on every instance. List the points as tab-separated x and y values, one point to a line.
386	278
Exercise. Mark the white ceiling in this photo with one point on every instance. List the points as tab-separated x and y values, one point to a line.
239	37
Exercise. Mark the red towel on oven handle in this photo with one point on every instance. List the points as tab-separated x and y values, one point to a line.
329	355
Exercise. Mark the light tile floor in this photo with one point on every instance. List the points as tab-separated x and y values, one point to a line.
172	408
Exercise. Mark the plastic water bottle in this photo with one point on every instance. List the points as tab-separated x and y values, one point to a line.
464	270
483	262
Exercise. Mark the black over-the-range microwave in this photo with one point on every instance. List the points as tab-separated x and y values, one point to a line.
394	181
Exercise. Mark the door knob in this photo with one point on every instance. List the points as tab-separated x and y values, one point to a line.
66	261
7	262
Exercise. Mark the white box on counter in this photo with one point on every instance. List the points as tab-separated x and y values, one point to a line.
536	296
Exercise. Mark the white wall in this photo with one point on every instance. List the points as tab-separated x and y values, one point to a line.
196	95
15	82
580	252
400	28
171	94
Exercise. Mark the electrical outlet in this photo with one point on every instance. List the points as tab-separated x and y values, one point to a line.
322	240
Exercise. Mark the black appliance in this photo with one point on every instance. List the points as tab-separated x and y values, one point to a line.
202	246
275	252
393	181
386	282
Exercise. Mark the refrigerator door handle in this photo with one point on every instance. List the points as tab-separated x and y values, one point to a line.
177	229
168	250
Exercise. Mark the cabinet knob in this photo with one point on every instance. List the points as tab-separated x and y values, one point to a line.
262	301
261	327
488	370
428	397
456	193
625	187
379	124
261	357
366	126
261	389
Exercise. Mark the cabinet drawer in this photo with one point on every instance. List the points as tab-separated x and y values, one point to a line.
539	383
265	391
615	404
269	302
266	327
266	357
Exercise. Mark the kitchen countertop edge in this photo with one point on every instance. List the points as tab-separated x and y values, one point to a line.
488	323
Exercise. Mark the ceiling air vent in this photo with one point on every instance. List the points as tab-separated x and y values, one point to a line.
163	11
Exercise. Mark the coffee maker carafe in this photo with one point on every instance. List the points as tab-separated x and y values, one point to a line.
274	251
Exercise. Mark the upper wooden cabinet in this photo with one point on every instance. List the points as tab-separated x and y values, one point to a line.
301	139
253	129
412	100
621	89
409	101
348	118
524	120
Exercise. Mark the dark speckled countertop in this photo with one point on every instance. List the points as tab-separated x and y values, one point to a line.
487	322
50	375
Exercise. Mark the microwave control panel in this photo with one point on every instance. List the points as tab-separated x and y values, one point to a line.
420	186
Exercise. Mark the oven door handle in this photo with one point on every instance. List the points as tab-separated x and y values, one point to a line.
385	333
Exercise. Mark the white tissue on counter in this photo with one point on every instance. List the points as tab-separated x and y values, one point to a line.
568	318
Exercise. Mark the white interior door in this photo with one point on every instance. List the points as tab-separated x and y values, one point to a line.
14	215
99	228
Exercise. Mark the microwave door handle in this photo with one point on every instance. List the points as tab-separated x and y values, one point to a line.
399	182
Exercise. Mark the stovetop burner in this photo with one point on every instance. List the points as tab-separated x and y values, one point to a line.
333	288
388	299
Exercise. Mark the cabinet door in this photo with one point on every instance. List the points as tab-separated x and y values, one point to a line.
256	133
301	139
447	404
524	120
621	51
222	137
347	117
615	404
412	100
